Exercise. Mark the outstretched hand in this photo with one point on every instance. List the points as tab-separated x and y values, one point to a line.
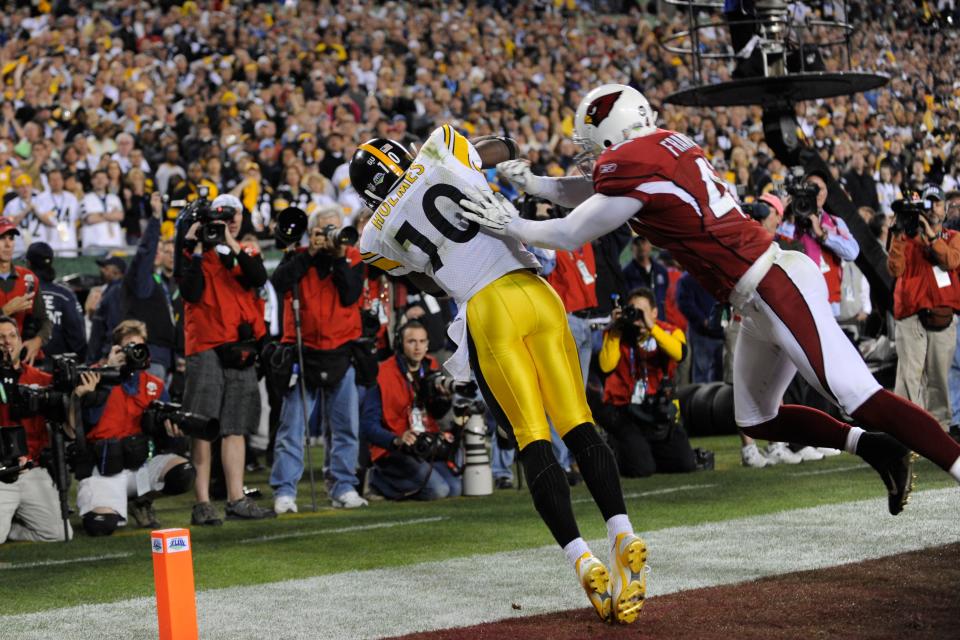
517	172
488	209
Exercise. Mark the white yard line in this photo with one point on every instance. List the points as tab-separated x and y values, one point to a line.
359	527
655	492
49	563
821	472
472	590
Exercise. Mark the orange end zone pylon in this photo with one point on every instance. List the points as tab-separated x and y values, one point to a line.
173	579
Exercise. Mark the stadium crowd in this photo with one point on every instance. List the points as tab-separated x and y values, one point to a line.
115	117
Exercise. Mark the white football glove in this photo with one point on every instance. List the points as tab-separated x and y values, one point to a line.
488	209
518	173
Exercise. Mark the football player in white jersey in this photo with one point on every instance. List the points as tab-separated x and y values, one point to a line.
512	330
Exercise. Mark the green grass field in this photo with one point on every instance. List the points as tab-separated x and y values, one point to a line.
34	577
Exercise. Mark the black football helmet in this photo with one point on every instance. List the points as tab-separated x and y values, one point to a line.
376	168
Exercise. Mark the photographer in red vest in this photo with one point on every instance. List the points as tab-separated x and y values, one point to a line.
641	354
123	467
223	322
18	295
29	506
397	411
924	258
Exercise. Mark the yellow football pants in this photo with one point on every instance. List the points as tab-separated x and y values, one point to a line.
524	357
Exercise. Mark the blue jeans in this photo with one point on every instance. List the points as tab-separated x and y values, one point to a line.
501	460
953	382
398	477
707	357
340	416
583	338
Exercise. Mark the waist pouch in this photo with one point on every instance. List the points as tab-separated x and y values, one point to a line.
326	367
365	361
111	456
936	319
277	363
237	355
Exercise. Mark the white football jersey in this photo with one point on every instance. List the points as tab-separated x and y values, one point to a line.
418	227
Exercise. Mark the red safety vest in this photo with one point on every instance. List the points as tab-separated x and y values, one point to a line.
122	413
568	280
917	288
223	307
397	395
23	280
326	324
635	363
35	426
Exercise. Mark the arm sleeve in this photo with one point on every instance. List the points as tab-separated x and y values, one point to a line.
597	216
570	191
896	259
671	343
139	276
371	421
348	279
609	352
843	244
192	283
947	253
252	270
290	270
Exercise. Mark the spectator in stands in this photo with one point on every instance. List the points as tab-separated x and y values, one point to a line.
170	172
18	296
121	466
30	210
68	330
396	412
62	235
641	356
703	329
924	260
223	322
330	281
101	214
30	506
644	271
826	239
860	184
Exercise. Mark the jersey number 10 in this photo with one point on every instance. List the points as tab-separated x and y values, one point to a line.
408	233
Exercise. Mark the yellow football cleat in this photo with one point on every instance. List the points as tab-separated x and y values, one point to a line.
628	579
595	580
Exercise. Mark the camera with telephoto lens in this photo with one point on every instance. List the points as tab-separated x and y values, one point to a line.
341	236
907	212
211	232
803	198
191	424
431	446
436	386
13	446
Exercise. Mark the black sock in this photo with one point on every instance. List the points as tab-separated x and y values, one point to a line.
598	468
550	491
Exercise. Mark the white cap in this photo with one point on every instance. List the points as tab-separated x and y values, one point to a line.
227	201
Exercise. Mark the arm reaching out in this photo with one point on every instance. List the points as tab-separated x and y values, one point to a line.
567	192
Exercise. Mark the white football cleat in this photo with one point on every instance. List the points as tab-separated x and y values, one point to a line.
628	577
595	580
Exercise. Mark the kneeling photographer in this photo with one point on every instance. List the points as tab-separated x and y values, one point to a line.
327	279
128	441
923	257
641	354
29	501
399	417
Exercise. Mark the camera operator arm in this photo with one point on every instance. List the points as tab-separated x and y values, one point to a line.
673	344
291	270
609	352
896	258
192	280
946	254
348	279
371	421
843	244
253	274
139	276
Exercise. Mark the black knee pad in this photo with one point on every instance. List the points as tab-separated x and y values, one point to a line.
100	524
179	479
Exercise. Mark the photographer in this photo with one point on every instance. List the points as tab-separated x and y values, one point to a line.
147	297
329	274
120	451
823	237
924	257
641	354
223	320
395	414
18	295
30	506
